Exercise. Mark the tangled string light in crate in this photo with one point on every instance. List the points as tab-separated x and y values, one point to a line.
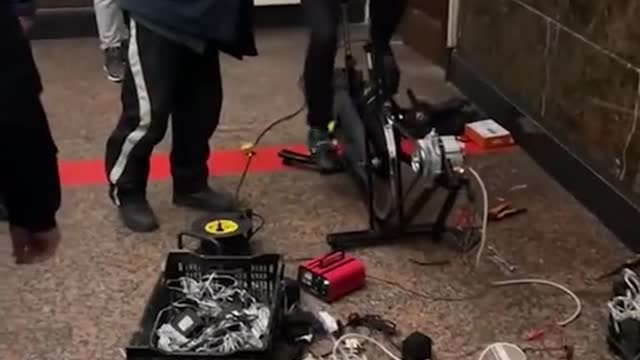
215	310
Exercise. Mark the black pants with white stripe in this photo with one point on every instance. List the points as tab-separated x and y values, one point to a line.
164	79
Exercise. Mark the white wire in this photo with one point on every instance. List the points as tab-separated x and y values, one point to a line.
575	298
490	347
627	306
633	282
483	244
344	356
485	216
209	294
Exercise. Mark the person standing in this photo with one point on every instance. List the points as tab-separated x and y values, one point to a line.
113	37
29	182
173	69
323	19
4	214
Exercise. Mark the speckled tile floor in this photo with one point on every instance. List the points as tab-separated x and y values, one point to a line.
85	303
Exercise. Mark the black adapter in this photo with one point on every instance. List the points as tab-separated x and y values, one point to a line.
417	346
187	323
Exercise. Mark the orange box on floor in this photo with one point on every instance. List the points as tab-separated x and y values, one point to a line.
488	134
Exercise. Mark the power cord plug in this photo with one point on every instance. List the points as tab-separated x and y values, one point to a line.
248	149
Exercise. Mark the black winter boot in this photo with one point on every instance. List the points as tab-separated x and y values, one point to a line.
206	199
138	215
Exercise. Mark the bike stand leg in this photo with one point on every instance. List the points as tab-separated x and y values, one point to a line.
445	211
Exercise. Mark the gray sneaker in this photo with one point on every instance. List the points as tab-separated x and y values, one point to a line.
113	64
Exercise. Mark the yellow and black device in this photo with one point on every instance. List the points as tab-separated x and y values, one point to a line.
227	234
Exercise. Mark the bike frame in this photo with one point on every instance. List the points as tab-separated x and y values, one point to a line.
374	103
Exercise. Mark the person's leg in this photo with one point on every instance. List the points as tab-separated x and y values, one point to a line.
148	93
113	34
386	15
195	118
31	182
4	215
322	17
29	179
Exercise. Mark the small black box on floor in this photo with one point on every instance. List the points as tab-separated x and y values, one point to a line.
417	346
263	275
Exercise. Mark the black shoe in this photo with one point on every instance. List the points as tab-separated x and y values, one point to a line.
206	200
113	64
386	66
322	151
4	213
138	216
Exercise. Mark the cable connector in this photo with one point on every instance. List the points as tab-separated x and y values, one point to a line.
249	149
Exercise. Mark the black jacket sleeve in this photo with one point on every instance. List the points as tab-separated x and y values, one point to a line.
25	7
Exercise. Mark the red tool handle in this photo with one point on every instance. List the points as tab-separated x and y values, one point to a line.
331	258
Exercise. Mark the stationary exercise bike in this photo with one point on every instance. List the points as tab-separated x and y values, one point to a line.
378	141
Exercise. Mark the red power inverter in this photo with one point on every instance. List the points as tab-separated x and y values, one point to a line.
332	276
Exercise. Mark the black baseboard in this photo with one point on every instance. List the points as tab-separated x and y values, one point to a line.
597	191
80	21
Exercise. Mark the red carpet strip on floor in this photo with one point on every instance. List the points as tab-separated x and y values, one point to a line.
221	163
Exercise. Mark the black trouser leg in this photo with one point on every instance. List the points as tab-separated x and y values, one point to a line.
148	94
195	118
322	17
4	215
28	158
385	18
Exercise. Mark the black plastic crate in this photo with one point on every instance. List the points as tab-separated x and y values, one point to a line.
262	274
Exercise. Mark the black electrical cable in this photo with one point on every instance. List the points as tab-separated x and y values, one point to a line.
251	150
372	322
375	323
476	296
260	226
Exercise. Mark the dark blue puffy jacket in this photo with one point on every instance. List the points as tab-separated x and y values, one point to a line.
228	23
24	7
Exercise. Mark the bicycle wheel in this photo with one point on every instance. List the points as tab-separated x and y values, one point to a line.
354	143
